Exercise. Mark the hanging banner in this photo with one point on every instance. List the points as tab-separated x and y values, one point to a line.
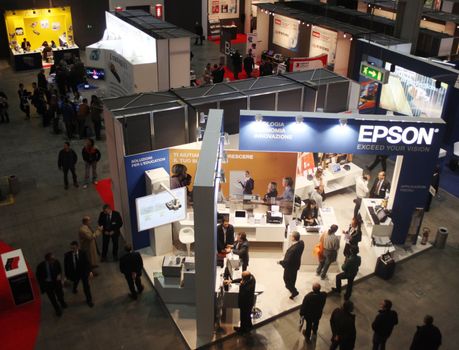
285	32
323	41
300	64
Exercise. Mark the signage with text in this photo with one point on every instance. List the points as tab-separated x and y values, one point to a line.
285	32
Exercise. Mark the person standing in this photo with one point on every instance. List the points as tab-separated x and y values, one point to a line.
42	81
91	155
350	269
4	116
352	236
49	277
66	162
241	248
199	32
245	300
381	186
248	184
342	323
68	115
82	115
236	59
427	337
380	158
78	268
95	109
131	265
330	253
311	309
24	105
225	235
111	223
249	65
291	263
384	323
361	190
88	240
207	75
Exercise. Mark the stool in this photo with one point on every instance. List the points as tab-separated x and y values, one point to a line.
186	236
256	312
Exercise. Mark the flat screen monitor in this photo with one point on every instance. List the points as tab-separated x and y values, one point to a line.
240	214
95	73
161	208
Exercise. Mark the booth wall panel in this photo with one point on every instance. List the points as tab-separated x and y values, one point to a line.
303	40
337	97
343	48
309	99
263	30
204	108
263	102
169	128
183	14
321	96
179	60
289	100
192	124
232	109
137	133
162	64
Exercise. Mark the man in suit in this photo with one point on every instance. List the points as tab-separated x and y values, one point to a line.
49	277
245	300
241	248
342	323
291	263
77	267
381	186
111	222
131	265
66	162
225	235
350	269
311	310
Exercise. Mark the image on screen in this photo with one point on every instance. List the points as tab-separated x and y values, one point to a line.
413	94
160	208
95	73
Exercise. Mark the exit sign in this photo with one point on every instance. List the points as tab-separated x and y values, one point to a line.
380	75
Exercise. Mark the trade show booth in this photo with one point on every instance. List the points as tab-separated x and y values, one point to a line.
139	53
40	37
151	138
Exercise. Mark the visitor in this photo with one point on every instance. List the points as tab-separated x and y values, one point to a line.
66	162
91	156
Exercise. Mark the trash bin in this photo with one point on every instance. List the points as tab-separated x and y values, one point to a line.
13	181
442	235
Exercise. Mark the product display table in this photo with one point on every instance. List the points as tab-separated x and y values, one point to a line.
383	229
333	181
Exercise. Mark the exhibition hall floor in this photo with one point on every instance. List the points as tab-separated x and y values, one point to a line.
274	300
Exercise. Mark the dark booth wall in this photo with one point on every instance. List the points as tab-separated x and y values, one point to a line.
183	14
88	17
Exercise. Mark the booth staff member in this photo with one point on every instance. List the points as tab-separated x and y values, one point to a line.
248	184
381	186
246	300
111	222
291	263
241	248
361	190
272	191
353	235
310	213
77	267
225	235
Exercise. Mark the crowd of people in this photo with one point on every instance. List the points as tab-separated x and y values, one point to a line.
82	260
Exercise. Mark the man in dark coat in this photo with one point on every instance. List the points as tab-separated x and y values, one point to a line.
246	299
249	64
241	248
225	235
77	267
199	32
427	337
311	310
291	263
383	325
66	162
342	323
131	265
111	222
350	269
381	186
49	277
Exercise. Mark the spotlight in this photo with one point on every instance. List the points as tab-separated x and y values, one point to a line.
344	35
302	23
299	119
343	122
258	118
307	25
369	5
351	39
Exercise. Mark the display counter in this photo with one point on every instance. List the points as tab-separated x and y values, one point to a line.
334	181
34	59
311	234
371	225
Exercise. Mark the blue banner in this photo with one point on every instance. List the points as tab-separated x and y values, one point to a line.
135	167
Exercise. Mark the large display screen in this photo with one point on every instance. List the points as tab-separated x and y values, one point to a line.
410	93
160	209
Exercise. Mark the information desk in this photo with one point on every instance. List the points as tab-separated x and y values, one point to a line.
254	224
34	59
380	229
326	219
333	181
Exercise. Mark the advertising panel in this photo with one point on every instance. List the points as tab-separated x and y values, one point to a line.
223	9
135	167
323	41
413	94
300	64
161	208
14	263
285	32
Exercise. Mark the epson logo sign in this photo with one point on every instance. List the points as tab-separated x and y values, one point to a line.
396	134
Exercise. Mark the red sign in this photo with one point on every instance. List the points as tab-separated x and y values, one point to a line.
159	11
299	64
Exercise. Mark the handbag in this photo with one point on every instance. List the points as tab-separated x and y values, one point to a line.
319	248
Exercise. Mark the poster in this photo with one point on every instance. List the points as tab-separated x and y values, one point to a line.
44	24
323	41
300	64
223	9
285	32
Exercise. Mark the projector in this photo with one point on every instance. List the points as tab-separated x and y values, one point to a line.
174	205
